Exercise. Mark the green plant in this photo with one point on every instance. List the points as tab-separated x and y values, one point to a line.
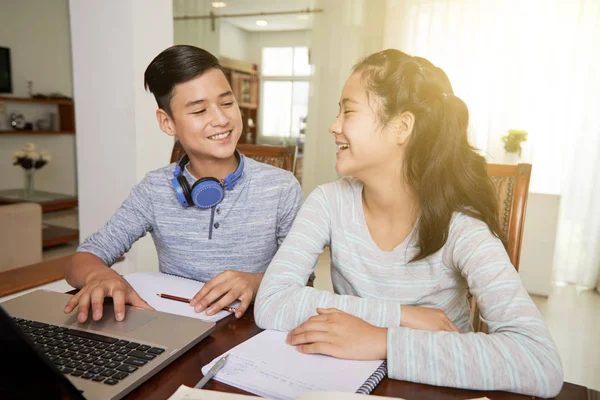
512	141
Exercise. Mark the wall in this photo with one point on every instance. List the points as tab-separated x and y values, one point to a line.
120	141
344	33
539	237
233	42
37	32
196	32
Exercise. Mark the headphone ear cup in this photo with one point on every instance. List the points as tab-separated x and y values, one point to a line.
185	188
207	193
179	192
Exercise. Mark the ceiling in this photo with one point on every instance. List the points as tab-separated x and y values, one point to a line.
274	22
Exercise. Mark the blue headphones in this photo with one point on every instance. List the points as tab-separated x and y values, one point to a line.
205	192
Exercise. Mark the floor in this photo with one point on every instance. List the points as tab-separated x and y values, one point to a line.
573	316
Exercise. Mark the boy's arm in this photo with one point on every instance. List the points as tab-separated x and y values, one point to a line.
89	268
132	221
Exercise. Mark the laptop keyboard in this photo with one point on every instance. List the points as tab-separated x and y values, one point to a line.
87	355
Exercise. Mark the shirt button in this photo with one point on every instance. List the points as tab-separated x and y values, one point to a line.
216	225
218	211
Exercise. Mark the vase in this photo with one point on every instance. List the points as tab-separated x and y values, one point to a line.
511	158
29	187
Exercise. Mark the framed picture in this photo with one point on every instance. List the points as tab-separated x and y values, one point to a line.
5	71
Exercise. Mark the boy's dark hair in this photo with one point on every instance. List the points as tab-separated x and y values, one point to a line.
177	64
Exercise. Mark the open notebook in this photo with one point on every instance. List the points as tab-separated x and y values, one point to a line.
265	365
187	393
149	284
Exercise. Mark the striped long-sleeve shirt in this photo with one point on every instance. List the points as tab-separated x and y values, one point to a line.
243	233
517	356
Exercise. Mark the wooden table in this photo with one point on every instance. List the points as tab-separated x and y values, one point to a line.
231	332
31	276
48	200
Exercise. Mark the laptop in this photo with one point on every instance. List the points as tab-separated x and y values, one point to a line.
49	354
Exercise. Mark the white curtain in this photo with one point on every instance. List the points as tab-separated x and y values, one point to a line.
577	257
532	65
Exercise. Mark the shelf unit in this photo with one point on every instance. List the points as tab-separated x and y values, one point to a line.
244	81
66	115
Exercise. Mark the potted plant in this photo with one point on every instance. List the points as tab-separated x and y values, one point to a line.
30	161
512	145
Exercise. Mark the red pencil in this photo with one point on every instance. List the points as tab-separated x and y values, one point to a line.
184	300
176	298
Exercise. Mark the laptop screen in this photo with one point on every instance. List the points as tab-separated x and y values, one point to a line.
28	373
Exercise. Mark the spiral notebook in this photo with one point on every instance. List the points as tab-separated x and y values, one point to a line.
149	284
188	393
267	366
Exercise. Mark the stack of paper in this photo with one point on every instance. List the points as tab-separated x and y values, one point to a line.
187	393
149	284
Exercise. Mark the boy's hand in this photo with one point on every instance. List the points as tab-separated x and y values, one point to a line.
101	286
224	289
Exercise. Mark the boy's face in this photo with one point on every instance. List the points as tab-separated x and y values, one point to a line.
206	118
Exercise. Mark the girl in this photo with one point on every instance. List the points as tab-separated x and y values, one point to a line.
411	228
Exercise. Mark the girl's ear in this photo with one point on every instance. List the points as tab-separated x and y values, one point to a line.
403	126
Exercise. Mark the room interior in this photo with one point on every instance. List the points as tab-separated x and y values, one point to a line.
286	62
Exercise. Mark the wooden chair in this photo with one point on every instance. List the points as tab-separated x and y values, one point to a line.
512	189
279	156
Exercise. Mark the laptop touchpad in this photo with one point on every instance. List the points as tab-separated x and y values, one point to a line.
134	319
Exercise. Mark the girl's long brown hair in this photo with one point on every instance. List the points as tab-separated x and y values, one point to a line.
440	165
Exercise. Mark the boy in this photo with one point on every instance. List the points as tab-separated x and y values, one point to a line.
224	230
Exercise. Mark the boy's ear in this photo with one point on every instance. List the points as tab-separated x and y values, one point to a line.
165	122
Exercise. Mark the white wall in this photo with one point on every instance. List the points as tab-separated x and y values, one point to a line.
344	33
539	238
258	40
119	139
196	32
233	42
37	32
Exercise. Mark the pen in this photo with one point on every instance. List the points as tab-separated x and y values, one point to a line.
212	372
184	300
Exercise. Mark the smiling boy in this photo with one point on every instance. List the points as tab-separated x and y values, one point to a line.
215	216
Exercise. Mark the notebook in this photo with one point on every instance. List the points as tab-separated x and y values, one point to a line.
149	284
187	393
265	365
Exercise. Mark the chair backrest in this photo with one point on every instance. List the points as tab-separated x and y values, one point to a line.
512	189
283	157
279	156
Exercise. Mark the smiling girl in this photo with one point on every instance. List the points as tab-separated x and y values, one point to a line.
412	227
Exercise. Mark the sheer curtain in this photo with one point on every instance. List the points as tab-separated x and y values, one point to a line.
532	65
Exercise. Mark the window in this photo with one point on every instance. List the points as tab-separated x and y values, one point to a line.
285	88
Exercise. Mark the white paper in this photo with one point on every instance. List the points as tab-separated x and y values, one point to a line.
265	365
188	393
149	284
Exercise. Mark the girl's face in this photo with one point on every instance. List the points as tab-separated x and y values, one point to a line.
365	147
